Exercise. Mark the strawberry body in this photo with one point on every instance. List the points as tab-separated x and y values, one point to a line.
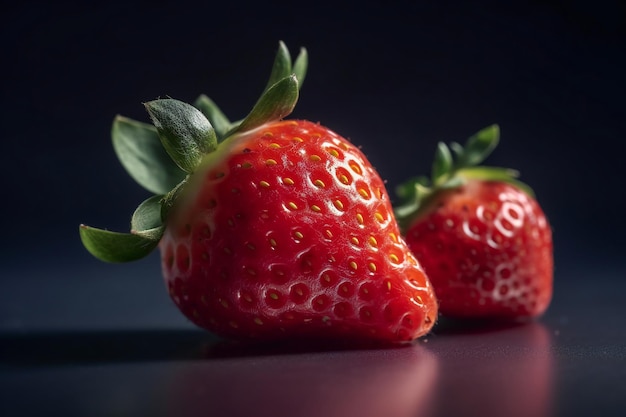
479	233
487	249
268	228
289	231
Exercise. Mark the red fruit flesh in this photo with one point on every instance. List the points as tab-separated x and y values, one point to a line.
487	250
292	234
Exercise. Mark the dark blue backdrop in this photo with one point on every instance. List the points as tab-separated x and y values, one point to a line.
395	79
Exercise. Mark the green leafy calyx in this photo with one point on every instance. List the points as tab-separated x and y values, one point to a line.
454	165
161	157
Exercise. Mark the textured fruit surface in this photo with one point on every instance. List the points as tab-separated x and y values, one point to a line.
291	232
487	249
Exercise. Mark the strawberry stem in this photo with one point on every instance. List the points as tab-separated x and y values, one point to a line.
452	167
163	157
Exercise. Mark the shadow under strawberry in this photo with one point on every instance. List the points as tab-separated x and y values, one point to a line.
456	326
47	349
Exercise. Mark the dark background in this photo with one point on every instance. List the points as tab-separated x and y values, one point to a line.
394	78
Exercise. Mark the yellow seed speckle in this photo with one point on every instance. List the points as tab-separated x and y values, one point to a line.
247	298
379	217
333	152
316	208
264	184
394	258
246	165
274	145
356	168
251	246
388	285
353	265
326	277
298	139
298	235
328	234
274	296
372	266
354	240
273	243
338	204
268	134
224	303
319	183
228	251
372	240
315	158
288	181
359	218
344	180
364	193
233	324
393	237
258	321
292	205
270	162
251	271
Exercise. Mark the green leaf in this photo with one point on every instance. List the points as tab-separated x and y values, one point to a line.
281	67
300	66
184	131
275	104
480	145
414	193
147	216
458	150
212	112
170	198
407	189
139	149
442	164
115	247
488	173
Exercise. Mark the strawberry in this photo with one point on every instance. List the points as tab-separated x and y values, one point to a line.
479	233
268	228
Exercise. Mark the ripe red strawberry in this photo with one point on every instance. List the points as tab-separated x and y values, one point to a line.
480	235
282	230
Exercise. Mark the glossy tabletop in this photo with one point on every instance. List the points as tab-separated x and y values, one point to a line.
115	352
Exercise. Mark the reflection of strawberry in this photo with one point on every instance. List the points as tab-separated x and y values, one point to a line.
496	372
480	235
364	383
282	229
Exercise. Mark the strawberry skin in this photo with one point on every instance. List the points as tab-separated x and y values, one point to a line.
487	249
291	233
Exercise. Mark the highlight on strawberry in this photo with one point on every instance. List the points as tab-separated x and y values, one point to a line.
479	233
267	228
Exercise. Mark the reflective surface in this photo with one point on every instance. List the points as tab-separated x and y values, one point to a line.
569	363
